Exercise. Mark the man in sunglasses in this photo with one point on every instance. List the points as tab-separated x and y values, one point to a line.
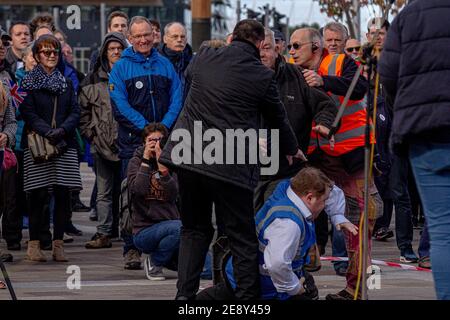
343	162
352	47
303	105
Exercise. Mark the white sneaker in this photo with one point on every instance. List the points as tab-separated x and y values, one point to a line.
153	273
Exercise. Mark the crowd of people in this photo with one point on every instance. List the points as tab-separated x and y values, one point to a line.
143	85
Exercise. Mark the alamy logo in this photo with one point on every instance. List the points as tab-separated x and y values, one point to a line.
374	280
74	280
234	146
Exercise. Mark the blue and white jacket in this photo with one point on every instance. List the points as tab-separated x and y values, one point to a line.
142	90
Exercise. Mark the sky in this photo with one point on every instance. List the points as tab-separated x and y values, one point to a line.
299	11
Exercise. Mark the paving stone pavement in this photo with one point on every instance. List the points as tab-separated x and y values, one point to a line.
103	277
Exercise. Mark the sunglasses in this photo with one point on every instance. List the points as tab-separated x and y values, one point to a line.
296	45
354	49
48	53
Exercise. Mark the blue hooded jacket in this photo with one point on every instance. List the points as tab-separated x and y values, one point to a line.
142	90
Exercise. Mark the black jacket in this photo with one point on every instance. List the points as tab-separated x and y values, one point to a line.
340	85
230	89
37	111
415	68
303	105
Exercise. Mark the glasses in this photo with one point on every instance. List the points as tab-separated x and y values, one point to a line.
143	36
296	45
48	53
155	139
353	49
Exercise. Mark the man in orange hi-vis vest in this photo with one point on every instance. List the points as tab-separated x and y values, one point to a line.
343	160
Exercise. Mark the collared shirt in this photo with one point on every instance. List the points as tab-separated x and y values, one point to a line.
283	236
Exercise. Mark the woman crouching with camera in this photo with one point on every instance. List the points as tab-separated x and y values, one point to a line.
51	114
154	190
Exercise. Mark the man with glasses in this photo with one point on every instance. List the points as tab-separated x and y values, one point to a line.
177	50
99	127
144	88
352	47
303	105
343	162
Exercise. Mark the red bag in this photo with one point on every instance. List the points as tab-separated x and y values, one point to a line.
9	159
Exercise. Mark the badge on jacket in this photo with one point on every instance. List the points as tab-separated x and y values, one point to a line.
139	85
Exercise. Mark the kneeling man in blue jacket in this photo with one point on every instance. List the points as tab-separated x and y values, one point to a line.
285	231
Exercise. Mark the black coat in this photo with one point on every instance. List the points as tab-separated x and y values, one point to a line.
37	111
303	105
231	89
415	68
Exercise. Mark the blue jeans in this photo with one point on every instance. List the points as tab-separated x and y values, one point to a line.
161	240
431	166
338	248
424	243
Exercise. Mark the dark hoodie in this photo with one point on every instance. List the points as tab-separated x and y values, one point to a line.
97	122
152	198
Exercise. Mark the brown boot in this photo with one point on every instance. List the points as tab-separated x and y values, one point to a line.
34	252
58	251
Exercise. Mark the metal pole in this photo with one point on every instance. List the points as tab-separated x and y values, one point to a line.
102	20
266	16
201	22
56	17
238	10
357	19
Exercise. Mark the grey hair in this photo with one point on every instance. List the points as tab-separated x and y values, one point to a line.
270	34
26	50
315	37
337	27
138	19
167	27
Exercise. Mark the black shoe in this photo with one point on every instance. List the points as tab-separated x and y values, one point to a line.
383	234
341	295
93	215
342	272
78	206
72	231
6	257
14	246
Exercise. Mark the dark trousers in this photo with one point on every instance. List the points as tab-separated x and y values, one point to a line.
127	237
385	220
11	218
402	202
321	228
234	211
38	202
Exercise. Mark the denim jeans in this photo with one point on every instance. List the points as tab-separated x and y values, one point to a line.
108	191
424	243
338	248
160	240
431	166
402	202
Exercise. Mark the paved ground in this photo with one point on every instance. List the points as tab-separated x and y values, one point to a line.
103	276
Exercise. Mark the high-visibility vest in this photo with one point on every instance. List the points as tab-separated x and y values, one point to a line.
351	134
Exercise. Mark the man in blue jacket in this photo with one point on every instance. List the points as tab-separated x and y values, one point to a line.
285	231
144	88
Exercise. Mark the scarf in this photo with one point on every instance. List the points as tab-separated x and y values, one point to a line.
38	79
